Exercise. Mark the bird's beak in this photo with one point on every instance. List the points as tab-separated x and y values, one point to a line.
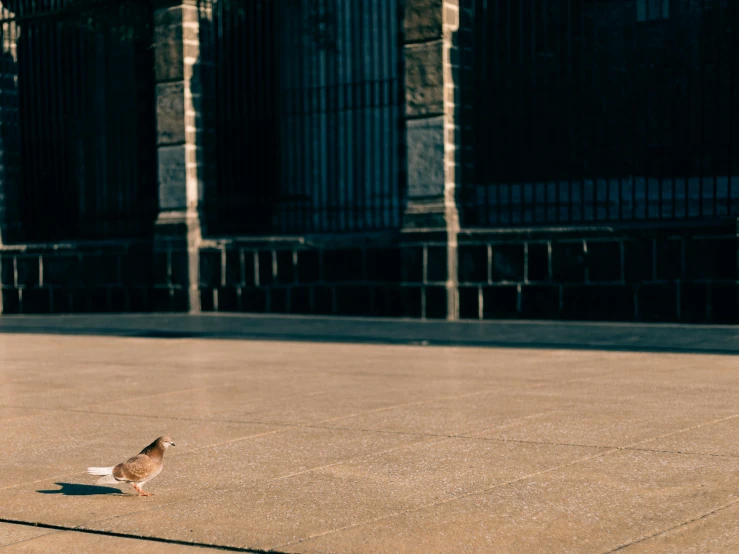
173	444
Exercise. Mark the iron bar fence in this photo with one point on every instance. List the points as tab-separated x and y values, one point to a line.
307	107
77	120
587	111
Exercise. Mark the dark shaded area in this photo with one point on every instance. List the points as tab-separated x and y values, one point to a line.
497	334
77	489
79	163
595	110
137	537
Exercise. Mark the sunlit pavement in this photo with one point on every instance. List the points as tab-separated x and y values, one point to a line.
317	435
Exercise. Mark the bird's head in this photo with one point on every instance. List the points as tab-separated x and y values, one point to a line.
165	442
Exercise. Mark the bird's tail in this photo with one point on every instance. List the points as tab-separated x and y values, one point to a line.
106	474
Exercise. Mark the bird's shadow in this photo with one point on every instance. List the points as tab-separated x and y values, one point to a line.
77	489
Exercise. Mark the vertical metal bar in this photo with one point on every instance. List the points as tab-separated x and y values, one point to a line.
730	149
385	68
717	111
703	107
569	109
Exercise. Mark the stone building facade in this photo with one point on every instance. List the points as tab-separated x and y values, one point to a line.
428	264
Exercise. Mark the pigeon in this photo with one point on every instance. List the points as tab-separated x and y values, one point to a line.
137	470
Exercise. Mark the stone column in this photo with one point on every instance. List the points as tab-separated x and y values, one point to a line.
432	130
179	102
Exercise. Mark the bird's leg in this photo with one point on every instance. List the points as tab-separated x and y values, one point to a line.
140	490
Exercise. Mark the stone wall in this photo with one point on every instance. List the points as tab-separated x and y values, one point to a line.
76	278
376	279
668	276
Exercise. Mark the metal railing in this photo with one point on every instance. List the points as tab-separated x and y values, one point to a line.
598	112
307	115
77	139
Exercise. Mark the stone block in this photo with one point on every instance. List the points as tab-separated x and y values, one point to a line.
28	270
383	265
300	300
638	260
168	45
172	178
266	274
308	270
540	301
179	268
436	264
11	301
507	263
351	300
668	254
285	268
568	262
469	303
343	265
228	299
604	261
36	300
725	303
62	270
206	299
538	262
424	80
100	269
411	260
278	300
7	270
425	144
473	263
234	274
657	302
210	268
323	300
410	302
436	302
693	302
170	102
500	301
598	302
254	300
423	20
712	258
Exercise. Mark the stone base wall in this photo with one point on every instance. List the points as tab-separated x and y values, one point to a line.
651	276
610	275
377	279
75	278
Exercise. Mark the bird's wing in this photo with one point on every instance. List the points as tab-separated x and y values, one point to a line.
135	469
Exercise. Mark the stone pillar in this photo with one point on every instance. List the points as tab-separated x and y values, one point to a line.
179	103
432	130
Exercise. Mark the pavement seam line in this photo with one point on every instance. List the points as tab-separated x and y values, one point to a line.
673	528
447	500
52	532
136	537
438	438
487	489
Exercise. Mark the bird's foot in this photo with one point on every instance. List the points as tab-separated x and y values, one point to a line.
140	490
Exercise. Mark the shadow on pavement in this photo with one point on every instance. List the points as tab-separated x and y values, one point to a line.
77	489
565	335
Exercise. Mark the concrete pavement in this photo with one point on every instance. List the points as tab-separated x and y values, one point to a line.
367	446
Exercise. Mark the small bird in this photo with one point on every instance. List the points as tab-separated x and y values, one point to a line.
137	470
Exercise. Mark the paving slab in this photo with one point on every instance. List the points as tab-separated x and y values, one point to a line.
279	511
595	505
11	534
370	447
713	532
